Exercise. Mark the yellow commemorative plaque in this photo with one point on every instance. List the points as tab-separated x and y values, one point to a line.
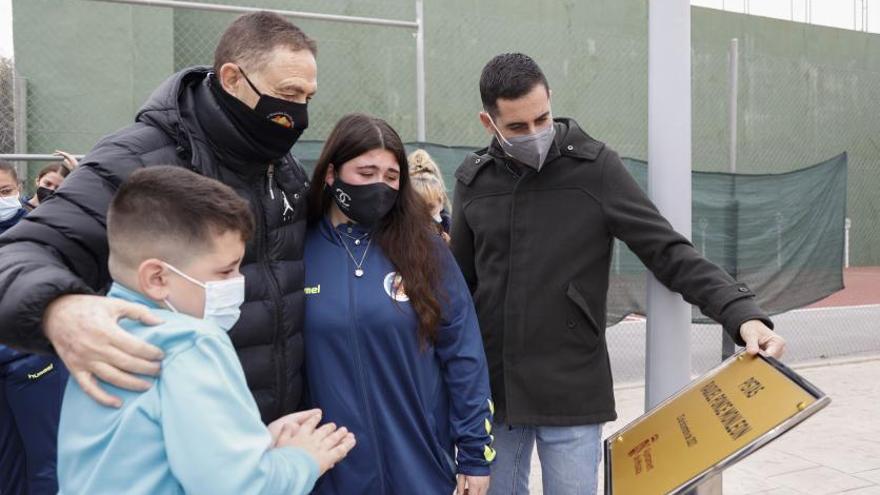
715	421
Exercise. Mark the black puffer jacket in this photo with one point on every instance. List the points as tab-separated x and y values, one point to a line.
62	248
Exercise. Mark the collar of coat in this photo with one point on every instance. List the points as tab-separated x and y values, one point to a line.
571	141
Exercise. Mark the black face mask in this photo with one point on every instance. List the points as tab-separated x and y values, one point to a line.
44	193
266	128
365	205
287	114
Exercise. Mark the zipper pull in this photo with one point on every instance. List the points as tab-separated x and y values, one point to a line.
270	174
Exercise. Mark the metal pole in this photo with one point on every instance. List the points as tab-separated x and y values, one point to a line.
728	346
733	85
19	119
668	343
25	157
421	132
212	7
667	363
668	352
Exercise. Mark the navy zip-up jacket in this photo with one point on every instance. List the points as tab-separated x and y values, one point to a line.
408	407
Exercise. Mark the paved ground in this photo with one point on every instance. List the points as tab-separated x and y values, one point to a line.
837	451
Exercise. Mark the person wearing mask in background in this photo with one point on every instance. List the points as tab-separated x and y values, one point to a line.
393	349
12	208
421	163
235	122
535	214
48	181
31	387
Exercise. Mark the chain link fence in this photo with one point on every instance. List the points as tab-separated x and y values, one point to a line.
805	94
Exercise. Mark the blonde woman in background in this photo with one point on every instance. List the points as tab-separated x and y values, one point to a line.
421	164
431	190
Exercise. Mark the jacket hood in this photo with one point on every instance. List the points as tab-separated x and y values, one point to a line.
163	108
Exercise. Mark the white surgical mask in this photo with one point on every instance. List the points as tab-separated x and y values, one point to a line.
9	206
531	149
223	299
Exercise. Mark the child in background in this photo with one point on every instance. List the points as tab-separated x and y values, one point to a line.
176	242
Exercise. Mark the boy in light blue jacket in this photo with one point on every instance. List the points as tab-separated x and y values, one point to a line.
176	242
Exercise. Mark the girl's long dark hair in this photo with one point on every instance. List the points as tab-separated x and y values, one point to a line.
404	234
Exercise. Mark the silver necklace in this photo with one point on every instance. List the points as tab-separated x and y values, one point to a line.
357	240
358	271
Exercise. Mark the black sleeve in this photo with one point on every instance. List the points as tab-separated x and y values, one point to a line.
462	239
60	248
445	220
633	218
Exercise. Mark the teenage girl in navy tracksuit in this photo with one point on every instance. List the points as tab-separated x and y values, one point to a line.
393	348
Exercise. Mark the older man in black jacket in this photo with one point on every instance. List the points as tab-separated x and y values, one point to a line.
534	217
235	122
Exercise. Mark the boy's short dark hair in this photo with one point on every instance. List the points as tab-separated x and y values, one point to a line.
173	214
9	169
252	37
509	76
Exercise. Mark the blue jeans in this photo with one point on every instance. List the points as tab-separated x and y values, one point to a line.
569	458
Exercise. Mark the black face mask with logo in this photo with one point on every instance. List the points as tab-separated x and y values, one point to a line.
274	125
366	205
287	114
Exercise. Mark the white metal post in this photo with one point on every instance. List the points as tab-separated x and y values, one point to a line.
421	132
19	119
733	82
668	353
728	346
668	360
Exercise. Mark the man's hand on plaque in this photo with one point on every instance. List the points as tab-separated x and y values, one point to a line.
759	337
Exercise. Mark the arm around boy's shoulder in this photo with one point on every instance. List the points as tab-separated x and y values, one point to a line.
61	247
